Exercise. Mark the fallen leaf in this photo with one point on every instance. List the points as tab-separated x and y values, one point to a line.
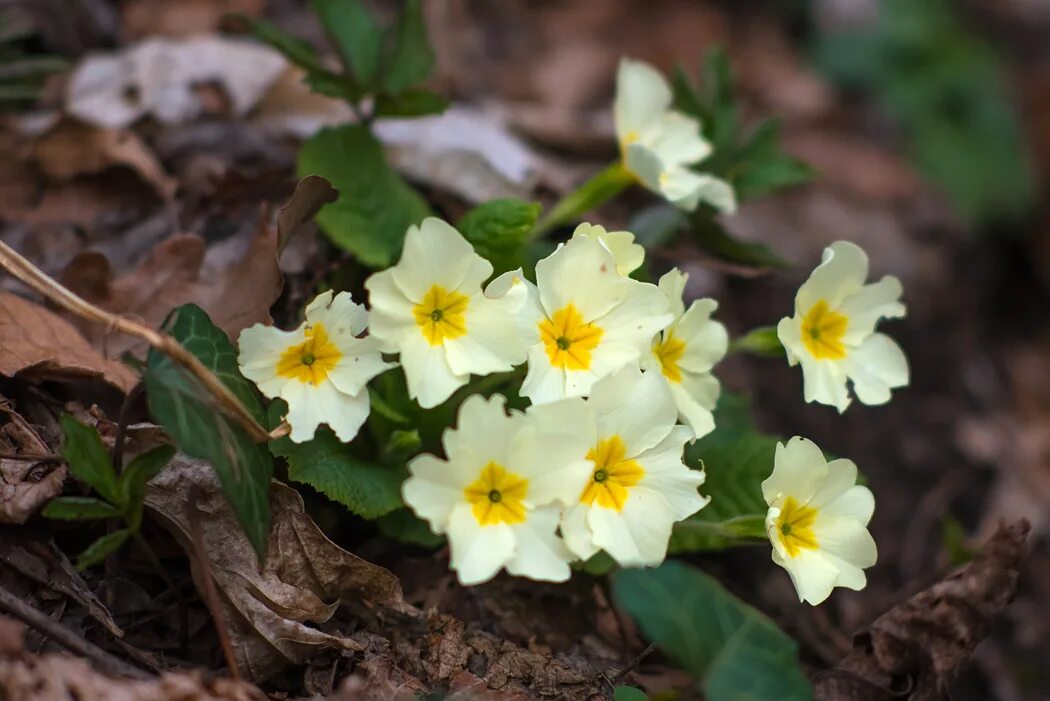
181	18
290	108
271	609
916	649
40	345
312	193
157	77
25	485
72	148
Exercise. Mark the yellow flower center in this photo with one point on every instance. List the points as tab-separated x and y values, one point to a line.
669	351
441	315
613	475
568	340
795	527
311	360
496	496
822	332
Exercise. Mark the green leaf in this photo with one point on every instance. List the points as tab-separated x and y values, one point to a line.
293	48
375	206
330	467
716	240
734	651
202	430
357	37
97	551
762	341
763	168
598	565
79	509
411	103
412	58
499	229
629	693
403	526
135	476
736	459
88	459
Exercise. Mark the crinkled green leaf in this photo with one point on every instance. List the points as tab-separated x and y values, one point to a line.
357	37
79	509
202	430
733	650
331	467
88	459
135	476
498	230
411	103
412	58
97	551
403	526
375	206
736	459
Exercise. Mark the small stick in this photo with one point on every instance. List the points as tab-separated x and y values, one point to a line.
632	664
28	273
208	590
66	638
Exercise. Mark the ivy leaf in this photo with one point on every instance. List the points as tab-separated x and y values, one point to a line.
375	206
411	103
412	58
734	651
79	509
736	459
135	476
88	459
202	430
97	551
499	229
357	37
403	526
330	466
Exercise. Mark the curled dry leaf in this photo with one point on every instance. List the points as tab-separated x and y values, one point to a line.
54	677
72	148
271	609
40	345
158	77
915	650
25	485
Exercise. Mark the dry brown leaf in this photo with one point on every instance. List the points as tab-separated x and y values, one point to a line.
72	148
272	611
25	485
40	345
180	18
915	650
178	271
158	77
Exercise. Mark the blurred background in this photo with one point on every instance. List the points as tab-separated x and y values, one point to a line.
927	123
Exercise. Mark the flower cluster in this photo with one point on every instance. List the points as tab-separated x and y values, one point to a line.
617	376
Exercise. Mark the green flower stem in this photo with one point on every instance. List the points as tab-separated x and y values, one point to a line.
593	193
738	531
762	341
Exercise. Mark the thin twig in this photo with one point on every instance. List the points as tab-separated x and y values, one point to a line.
66	638
618	677
209	593
35	278
158	568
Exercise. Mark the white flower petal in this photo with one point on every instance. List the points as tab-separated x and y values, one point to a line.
845	539
867	305
856	503
824	381
543	383
799	468
434	488
484	433
359	363
427	372
261	348
876	367
638	535
789	332
696	396
643	312
390	318
628	255
841	475
553	454
436	254
841	273
675	138
311	405
493	342
813	575
672	284
478	552
540	554
577	534
642	96
635	406
583	273
342	317
668	475
706	339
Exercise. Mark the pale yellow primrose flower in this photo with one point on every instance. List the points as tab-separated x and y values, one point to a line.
628	254
499	493
639	486
430	308
657	143
833	331
320	369
684	353
582	320
817	520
